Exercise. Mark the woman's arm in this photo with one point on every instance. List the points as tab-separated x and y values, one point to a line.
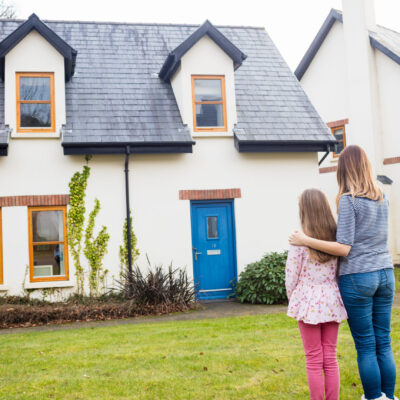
298	238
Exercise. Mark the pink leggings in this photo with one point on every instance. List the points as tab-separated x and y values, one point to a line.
319	343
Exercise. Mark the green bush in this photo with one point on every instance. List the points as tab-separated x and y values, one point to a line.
263	282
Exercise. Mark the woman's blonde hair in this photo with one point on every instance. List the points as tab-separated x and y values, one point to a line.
317	221
354	175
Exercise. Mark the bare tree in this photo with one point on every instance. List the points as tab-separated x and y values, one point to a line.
7	10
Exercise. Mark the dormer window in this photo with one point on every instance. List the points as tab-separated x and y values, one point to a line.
35	102
209	104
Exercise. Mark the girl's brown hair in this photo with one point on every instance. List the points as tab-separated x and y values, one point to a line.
354	175
317	221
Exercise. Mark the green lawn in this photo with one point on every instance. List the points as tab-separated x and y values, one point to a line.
254	357
397	276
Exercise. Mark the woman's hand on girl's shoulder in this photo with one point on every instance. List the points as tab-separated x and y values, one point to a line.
297	238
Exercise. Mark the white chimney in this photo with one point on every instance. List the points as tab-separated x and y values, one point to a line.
364	121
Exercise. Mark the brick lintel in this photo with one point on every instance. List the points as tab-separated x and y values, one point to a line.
327	169
335	124
35	200
212	194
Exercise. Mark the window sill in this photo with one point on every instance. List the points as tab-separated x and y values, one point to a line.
49	285
35	135
211	134
3	288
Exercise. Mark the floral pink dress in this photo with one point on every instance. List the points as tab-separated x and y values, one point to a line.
312	289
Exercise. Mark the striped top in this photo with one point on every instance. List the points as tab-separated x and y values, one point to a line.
363	224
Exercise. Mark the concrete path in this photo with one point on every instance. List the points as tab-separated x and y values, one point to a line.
206	311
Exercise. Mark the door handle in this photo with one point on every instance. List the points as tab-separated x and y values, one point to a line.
196	253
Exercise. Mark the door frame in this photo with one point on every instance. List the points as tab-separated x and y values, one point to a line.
231	202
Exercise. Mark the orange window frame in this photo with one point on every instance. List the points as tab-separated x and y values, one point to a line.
333	129
50	75
1	249
223	102
64	277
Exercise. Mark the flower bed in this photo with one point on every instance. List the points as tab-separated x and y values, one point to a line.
14	314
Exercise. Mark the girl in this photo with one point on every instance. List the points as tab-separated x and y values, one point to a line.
366	280
314	298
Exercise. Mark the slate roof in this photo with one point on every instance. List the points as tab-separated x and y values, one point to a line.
116	96
383	39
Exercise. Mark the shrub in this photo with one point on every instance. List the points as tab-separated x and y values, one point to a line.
157	286
263	282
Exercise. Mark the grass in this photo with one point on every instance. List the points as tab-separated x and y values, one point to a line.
397	277
253	357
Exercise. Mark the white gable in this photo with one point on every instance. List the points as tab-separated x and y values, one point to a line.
34	54
204	58
325	80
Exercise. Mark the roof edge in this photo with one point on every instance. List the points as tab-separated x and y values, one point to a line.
333	16
279	146
383	49
93	148
3	149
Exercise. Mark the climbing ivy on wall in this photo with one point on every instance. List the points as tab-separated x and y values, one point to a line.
95	250
76	220
123	249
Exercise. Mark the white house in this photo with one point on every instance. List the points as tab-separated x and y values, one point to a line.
351	73
203	132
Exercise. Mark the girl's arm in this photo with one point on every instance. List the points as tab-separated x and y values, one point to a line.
298	238
294	265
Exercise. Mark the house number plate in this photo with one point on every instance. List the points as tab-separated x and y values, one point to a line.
213	252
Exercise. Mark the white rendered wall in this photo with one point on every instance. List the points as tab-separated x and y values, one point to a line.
36	167
389	81
389	94
358	19
334	79
325	82
204	58
265	215
34	54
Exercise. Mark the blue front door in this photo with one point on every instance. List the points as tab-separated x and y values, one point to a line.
214	255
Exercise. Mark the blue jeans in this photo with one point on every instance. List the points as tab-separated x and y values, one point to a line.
368	299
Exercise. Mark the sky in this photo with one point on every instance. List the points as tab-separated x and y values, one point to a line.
292	24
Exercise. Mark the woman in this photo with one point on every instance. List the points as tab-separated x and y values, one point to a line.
366	277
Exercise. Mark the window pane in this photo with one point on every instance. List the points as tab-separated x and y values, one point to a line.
207	90
47	226
338	133
209	115
212	227
48	260
34	88
35	115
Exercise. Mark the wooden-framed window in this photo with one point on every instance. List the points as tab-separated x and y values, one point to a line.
35	102
48	250
209	103
1	249
340	134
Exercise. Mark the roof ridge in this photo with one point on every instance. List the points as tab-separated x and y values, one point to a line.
130	23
